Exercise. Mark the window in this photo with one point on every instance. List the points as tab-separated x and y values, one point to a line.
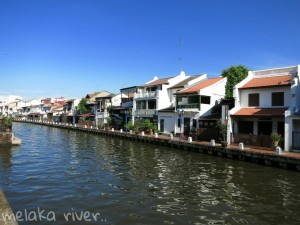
140	105
253	99
152	104
205	99
193	99
277	99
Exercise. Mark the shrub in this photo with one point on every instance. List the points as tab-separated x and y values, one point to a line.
275	137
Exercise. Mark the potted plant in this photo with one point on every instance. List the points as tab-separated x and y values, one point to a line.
148	127
223	133
130	126
107	125
275	138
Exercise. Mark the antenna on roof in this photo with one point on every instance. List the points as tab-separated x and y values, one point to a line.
180	53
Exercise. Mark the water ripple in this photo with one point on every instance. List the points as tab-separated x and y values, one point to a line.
137	183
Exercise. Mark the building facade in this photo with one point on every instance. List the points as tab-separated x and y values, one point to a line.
265	102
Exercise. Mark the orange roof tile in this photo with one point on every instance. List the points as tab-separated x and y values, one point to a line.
260	112
197	87
268	82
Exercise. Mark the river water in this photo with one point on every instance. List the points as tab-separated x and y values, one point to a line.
69	177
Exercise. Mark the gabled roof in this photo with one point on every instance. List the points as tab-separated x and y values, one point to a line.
105	95
92	95
268	82
185	81
196	88
260	112
158	82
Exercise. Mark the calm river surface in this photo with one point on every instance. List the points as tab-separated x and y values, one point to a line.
67	175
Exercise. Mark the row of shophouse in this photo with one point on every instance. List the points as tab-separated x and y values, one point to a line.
265	101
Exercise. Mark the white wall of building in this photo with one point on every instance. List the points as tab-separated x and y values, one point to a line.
169	121
116	100
265	96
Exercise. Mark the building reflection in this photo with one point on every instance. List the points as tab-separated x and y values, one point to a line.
6	157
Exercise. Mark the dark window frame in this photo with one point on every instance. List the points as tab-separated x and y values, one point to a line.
253	99
205	99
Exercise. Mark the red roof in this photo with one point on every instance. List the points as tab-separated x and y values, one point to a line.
158	82
201	85
92	95
260	112
268	82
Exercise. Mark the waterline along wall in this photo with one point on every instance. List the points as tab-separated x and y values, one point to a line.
269	158
6	213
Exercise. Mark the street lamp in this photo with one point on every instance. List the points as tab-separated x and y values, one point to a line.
180	115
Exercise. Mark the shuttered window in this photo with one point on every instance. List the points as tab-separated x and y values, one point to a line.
253	99
278	99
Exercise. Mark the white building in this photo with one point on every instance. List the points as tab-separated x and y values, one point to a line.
196	100
267	101
104	102
33	109
153	96
166	116
8	104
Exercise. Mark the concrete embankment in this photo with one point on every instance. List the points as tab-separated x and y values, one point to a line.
6	213
9	139
286	160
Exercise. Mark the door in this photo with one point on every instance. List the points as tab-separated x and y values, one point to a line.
186	126
162	125
264	127
264	131
280	128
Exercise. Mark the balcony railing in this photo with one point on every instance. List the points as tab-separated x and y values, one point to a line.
188	106
145	111
151	94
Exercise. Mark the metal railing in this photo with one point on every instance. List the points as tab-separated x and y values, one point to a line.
188	106
151	94
255	140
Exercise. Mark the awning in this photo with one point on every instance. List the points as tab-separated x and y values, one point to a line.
260	112
35	114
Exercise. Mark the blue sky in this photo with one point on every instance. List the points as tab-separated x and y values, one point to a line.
51	48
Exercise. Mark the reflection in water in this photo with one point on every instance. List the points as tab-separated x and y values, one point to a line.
6	155
137	183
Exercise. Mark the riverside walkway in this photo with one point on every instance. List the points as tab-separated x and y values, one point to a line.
263	156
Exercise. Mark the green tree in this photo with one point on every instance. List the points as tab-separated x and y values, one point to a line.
234	74
82	106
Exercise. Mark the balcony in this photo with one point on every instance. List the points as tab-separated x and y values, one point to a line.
189	106
152	94
127	104
145	111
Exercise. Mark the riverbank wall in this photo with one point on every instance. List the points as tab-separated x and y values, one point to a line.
285	160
